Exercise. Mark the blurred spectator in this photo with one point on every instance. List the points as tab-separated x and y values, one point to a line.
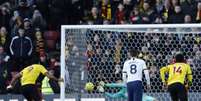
135	17
106	11
4	16
89	54
148	14
43	7
38	21
118	48
3	69
198	17
191	63
15	23
128	7
77	11
43	60
94	16
160	8
197	59
4	38
106	22
120	14
24	10
21	48
87	5
197	39
28	28
153	71
109	40
30	2
187	19
170	5
175	2
53	63
189	8
177	17
51	37
90	51
196	48
96	40
114	5
39	44
3	33
158	20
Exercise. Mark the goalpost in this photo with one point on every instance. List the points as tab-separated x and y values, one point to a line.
95	53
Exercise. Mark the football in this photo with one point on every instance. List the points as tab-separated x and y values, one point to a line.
89	86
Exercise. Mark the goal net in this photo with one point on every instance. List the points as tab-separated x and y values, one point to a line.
96	53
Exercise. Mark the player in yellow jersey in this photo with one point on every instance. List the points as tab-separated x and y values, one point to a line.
177	74
28	77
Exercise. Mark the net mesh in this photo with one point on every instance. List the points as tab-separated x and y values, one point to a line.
97	55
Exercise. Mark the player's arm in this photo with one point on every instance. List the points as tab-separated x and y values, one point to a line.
146	73
163	71
124	74
51	76
14	79
189	75
46	73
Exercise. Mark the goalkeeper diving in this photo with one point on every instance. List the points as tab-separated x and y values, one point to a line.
122	93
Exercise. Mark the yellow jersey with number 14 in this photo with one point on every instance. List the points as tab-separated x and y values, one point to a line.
176	73
31	73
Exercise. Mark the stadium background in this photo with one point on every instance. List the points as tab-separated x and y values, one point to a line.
41	20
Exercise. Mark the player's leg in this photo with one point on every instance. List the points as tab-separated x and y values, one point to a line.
173	92
130	91
26	93
182	93
36	94
138	92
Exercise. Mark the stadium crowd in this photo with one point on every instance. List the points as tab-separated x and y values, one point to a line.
30	32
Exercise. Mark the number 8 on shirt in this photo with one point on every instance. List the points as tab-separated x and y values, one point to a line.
132	76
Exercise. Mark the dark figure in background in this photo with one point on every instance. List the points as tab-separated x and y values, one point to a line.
177	17
3	69
24	10
28	28
57	13
38	20
21	50
4	16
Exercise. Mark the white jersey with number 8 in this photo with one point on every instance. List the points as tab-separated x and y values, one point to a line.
134	68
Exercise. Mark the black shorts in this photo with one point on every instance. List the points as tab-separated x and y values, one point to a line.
178	92
31	93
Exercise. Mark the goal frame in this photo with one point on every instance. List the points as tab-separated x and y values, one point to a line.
129	26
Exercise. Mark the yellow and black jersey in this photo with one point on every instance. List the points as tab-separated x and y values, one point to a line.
176	73
31	73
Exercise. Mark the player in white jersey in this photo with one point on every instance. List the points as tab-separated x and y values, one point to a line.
132	76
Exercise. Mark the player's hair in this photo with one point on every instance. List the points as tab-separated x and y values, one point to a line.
133	52
179	57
